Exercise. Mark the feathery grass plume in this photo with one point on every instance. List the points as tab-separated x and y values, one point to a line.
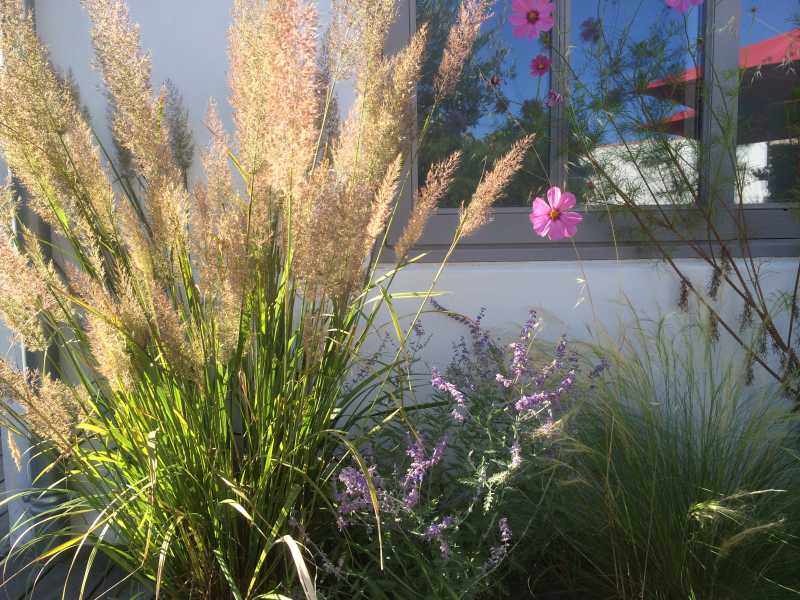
212	198
382	119
437	183
492	186
331	222
23	293
222	256
109	349
112	325
138	124
329	112
52	408
16	453
460	40
383	203
322	229
45	139
358	35
181	352
126	174
181	141
273	78
138	245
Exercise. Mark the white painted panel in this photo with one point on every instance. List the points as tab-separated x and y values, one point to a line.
593	301
16	449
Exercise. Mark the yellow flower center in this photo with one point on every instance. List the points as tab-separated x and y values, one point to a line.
532	16
554	214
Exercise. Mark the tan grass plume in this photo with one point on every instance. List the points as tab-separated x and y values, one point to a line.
437	183
138	123
492	186
45	139
460	41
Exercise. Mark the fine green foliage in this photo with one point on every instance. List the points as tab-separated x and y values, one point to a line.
678	482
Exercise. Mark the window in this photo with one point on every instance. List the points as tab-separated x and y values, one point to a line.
768	138
501	97
638	89
633	101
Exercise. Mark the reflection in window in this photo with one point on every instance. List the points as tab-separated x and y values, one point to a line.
633	101
503	95
768	135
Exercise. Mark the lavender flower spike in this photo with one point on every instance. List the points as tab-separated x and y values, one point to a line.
516	455
503	380
435	532
498	553
505	531
356	496
420	465
460	412
529	402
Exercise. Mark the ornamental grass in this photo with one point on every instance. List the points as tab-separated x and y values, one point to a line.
207	331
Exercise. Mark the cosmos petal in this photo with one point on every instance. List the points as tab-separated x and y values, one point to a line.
556	231
554	197
570	230
571	218
540	207
566	201
521	5
545	23
521	31
547	10
540	222
544	230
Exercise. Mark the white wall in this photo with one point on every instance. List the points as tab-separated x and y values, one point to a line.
17	475
187	39
588	301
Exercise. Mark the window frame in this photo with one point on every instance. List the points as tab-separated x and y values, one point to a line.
772	230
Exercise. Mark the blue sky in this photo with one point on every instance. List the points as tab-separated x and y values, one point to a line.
616	14
771	18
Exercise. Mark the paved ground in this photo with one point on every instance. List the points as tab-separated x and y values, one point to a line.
37	583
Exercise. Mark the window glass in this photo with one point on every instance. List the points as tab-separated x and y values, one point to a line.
502	96
632	105
768	134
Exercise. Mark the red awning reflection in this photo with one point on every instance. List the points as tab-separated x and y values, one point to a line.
769	89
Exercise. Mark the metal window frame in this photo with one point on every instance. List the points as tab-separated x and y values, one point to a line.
772	229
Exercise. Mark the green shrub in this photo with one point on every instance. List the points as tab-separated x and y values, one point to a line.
677	482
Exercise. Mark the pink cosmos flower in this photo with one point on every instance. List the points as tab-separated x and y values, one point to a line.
531	17
552	219
540	65
553	99
683	5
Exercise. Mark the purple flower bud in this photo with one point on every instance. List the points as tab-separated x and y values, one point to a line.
530	402
516	455
505	531
504	381
419	467
460	412
553	99
435	532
